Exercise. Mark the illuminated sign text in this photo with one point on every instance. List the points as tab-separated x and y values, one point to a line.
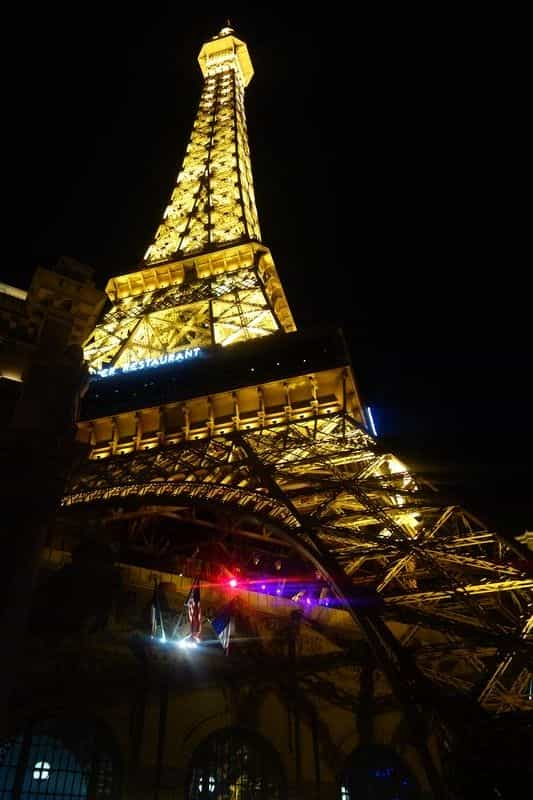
135	366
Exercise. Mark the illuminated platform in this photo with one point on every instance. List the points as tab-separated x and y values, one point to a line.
261	382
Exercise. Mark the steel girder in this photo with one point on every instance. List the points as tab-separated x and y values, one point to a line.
213	201
221	309
436	574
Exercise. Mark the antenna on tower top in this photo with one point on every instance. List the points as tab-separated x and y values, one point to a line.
227	30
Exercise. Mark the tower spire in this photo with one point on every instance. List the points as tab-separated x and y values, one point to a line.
227	28
213	202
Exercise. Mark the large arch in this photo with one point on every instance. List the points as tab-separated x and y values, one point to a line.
235	762
390	550
64	757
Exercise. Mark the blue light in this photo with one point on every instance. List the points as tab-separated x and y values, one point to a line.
371	420
384	773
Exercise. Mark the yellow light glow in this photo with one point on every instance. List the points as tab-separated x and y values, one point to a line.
211	212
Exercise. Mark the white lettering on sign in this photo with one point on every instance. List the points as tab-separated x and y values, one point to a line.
135	366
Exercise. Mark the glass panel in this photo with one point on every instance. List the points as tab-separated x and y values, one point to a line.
235	765
58	760
10	753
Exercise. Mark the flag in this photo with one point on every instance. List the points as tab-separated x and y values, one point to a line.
155	613
222	625
194	610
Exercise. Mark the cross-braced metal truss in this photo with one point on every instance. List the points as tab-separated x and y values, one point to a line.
213	202
224	309
451	603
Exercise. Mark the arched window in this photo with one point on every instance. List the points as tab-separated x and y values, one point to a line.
234	764
60	758
376	773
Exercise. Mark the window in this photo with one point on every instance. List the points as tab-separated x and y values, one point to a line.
237	764
41	771
67	759
376	773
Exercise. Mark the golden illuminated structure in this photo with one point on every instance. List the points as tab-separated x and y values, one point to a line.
207	278
213	203
220	440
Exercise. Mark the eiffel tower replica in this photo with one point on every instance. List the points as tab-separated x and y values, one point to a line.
223	445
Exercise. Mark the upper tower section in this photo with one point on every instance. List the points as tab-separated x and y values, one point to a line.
223	48
208	281
213	203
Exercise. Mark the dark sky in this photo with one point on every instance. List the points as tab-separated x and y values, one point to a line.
387	154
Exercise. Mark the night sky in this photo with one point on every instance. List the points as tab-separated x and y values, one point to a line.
387	153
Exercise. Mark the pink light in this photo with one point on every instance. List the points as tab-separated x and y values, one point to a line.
308	601
263	586
233	583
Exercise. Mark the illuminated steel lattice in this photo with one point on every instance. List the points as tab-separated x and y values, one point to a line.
442	601
213	202
223	310
329	488
179	302
70	759
236	764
